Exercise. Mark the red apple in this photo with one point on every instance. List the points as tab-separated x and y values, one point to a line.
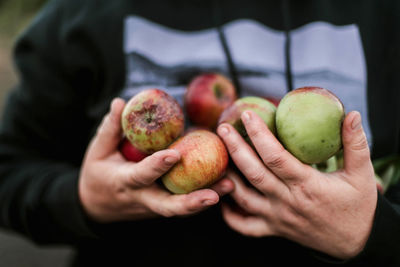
152	120
379	184
206	97
130	152
265	109
195	128
204	160
273	100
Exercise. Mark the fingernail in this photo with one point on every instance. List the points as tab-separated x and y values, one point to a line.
246	116
223	130
208	202
170	160
356	123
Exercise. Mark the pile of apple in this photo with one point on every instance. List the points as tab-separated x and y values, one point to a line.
307	121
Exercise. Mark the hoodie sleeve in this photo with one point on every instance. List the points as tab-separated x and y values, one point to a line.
44	131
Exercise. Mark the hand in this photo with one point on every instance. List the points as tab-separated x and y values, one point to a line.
113	189
329	212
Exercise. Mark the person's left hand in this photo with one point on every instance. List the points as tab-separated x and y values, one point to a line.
329	212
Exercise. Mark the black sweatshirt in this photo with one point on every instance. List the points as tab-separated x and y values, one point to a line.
78	55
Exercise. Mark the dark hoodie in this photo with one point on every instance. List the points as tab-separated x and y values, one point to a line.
78	55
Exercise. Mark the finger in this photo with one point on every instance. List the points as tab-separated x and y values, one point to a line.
223	186
150	168
273	154
247	160
248	199
109	133
254	226
356	154
168	205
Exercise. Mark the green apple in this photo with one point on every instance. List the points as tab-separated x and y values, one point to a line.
262	107
309	123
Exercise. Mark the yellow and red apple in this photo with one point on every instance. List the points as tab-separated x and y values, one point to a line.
152	120
204	160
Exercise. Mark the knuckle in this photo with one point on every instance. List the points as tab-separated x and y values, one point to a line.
249	206
360	144
304	201
182	207
233	148
165	212
136	181
243	202
168	214
256	177
118	188
189	209
275	161
255	234
290	218
122	194
157	164
253	132
190	205
159	169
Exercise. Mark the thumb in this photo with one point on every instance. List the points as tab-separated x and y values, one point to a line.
355	145
146	171
109	133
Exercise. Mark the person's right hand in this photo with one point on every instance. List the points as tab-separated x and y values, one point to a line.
113	189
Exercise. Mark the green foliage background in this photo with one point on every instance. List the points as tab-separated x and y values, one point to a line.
16	14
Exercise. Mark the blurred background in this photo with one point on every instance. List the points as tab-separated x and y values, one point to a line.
15	250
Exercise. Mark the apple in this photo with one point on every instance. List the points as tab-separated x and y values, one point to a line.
262	107
130	152
309	123
379	184
206	97
273	100
152	120
195	128
204	160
